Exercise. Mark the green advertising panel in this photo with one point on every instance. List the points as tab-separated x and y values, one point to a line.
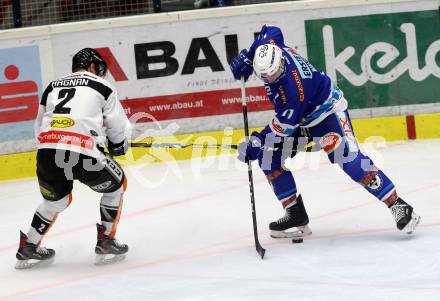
380	60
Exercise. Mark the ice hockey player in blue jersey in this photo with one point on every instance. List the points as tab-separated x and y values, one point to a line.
306	99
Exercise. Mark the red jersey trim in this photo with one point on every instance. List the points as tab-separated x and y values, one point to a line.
67	138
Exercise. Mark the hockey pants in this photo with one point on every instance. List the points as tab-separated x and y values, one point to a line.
56	184
335	136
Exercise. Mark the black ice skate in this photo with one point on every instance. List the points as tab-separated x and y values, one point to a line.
406	219
30	255
295	217
107	249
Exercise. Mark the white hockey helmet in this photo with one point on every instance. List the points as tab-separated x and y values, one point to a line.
268	62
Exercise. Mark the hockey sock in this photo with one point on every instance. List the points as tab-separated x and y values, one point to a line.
283	185
110	209
379	185
362	170
45	216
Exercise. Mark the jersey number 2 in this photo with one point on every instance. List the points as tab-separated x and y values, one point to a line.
65	95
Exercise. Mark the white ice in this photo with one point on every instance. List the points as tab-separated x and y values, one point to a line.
191	238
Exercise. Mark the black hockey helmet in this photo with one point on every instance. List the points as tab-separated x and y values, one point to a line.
85	57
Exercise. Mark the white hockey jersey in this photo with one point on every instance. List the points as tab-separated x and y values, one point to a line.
78	112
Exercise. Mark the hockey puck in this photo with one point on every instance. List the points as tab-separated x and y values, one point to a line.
297	240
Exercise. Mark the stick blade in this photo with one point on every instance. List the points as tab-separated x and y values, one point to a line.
261	251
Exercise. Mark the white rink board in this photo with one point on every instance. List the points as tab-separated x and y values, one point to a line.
121	39
58	43
191	238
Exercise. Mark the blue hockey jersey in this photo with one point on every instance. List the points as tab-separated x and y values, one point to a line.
303	96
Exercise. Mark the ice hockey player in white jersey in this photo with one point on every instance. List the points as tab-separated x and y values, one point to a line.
78	115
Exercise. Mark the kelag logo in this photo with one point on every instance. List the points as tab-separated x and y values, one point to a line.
20	83
380	60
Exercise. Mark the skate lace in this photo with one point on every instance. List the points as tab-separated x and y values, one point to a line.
398	211
42	251
117	244
285	218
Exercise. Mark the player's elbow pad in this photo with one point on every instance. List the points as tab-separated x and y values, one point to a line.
117	149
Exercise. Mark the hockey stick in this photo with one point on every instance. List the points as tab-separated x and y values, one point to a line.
179	146
307	148
258	246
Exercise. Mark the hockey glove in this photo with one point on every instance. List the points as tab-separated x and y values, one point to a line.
249	150
268	35
117	149
241	65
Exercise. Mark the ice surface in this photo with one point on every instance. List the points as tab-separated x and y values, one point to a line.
189	229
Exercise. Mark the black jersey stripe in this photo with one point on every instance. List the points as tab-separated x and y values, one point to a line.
45	94
101	88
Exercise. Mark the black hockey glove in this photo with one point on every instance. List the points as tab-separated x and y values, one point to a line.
117	149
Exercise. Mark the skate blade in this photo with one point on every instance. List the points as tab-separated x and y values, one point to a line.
413	223
32	263
300	232
103	259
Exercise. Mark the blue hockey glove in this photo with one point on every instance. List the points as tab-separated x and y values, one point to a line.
241	65
268	35
250	149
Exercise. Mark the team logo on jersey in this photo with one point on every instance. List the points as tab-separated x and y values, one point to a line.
330	142
376	183
62	122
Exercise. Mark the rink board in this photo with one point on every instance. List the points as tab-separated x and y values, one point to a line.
184	79
374	130
389	72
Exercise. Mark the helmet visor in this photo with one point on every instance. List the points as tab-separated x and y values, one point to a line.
101	69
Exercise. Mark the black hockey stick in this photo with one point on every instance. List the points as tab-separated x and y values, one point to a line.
307	148
184	145
258	246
